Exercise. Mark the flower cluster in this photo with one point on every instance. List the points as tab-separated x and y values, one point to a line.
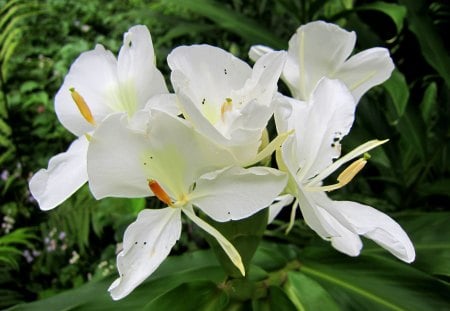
201	147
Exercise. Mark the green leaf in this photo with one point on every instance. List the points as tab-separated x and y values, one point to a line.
173	272
430	42
191	296
413	133
375	283
307	294
232	21
398	90
396	12
245	236
430	234
428	106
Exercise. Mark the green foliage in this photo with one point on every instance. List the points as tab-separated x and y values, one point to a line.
9	243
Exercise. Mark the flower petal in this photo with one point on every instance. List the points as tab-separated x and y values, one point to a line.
317	50
236	193
276	207
92	75
211	73
146	243
165	148
229	249
114	162
65	174
164	102
375	225
365	70
256	51
136	69
319	126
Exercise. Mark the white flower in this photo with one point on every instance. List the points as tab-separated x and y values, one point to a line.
312	154
223	97
97	85
320	49
183	169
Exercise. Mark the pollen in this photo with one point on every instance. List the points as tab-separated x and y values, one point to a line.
346	176
226	106
351	171
82	106
159	192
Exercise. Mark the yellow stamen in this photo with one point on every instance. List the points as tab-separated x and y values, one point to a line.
159	192
226	106
82	106
345	177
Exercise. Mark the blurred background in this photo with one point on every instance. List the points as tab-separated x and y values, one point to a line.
45	253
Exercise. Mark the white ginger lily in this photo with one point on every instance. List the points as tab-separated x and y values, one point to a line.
312	154
96	86
224	98
320	49
183	169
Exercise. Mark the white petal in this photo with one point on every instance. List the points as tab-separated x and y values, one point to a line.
146	243
256	51
375	225
319	126
317	50
315	217
236	193
365	70
331	115
114	160
121	160
65	174
343	239
164	102
229	249
211	73
136	68
276	207
92	75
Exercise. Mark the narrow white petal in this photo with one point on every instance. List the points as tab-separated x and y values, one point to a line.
256	51
375	225
65	174
365	70
146	243
137	73
329	119
236	193
229	249
276	207
367	146
317	50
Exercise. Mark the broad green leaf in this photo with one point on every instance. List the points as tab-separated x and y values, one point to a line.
428	106
436	187
398	90
191	296
430	42
307	294
232	21
375	283
245	236
93	296
396	12
413	133
430	234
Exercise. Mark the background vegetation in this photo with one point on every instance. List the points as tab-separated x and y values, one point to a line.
65	258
